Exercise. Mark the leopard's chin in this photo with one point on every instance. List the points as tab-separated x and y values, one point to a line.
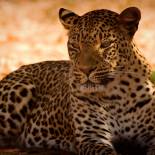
90	87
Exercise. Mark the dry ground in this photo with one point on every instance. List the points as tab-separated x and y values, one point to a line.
30	32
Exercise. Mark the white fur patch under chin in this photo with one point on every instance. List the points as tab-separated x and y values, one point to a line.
90	89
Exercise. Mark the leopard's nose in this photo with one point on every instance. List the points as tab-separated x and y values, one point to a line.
87	70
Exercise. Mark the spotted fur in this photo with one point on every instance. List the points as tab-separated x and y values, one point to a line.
100	102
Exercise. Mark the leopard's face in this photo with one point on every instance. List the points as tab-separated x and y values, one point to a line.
94	57
98	44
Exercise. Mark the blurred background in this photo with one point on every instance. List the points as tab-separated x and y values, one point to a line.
31	32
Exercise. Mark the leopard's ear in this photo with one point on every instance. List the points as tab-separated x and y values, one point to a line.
129	20
67	18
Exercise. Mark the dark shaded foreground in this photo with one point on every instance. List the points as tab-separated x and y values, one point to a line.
14	151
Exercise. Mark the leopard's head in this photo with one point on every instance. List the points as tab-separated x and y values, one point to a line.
99	45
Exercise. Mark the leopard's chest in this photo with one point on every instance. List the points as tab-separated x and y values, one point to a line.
131	123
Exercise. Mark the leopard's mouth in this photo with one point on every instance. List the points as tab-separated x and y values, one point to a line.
93	82
91	87
97	85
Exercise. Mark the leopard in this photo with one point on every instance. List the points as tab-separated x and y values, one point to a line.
99	102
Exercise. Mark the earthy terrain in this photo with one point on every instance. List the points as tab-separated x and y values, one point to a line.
30	32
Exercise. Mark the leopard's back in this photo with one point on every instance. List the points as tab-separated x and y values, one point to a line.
44	85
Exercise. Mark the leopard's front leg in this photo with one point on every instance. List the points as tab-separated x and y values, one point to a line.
91	128
89	148
93	137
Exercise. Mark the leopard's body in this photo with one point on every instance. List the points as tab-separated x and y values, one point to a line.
100	102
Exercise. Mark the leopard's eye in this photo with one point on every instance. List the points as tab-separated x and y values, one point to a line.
73	47
105	43
73	50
